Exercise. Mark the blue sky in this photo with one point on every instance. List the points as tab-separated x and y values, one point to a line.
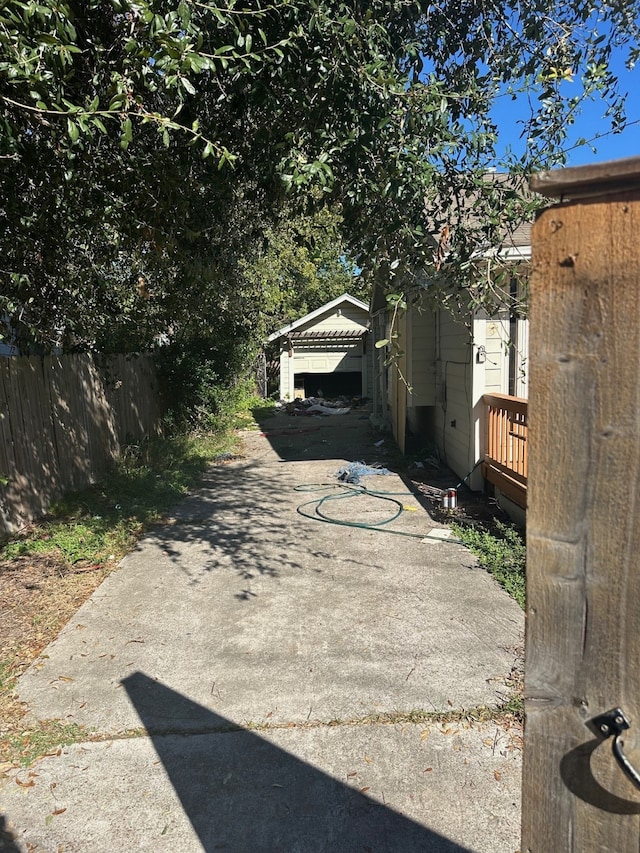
589	124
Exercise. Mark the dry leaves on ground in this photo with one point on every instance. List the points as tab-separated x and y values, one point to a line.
40	593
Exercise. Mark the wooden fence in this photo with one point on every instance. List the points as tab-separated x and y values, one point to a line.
506	457
63	422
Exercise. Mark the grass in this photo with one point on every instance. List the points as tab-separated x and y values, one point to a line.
100	524
260	408
45	738
502	552
7	676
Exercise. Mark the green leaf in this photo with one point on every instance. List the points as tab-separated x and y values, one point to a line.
126	134
349	27
185	13
381	343
187	85
73	130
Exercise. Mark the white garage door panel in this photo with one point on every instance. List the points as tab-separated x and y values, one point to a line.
326	363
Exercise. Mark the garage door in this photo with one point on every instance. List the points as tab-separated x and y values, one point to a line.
344	360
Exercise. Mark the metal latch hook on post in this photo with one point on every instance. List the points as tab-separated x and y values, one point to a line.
612	724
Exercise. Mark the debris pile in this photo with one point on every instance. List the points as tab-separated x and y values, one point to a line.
352	472
318	406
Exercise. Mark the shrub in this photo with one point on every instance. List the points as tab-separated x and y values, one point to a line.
203	384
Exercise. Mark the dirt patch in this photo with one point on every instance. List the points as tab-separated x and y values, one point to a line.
40	593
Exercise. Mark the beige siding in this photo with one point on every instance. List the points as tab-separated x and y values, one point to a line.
398	386
286	374
496	342
421	364
345	318
522	364
370	378
318	356
453	360
379	371
454	426
453	337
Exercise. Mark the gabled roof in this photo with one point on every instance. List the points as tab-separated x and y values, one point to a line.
335	303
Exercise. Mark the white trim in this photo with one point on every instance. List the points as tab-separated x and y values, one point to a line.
317	313
516	253
510	253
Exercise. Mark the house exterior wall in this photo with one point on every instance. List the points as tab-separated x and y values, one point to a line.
453	360
421	367
379	371
368	366
522	367
286	374
471	360
452	421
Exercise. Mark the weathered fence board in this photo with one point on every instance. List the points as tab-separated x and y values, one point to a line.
583	535
133	396
63	421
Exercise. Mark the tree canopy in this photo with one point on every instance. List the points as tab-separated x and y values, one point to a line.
150	150
304	264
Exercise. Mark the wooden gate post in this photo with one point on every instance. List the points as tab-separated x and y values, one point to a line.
583	521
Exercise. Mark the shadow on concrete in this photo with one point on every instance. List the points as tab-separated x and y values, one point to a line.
238	522
353	438
314	437
7	838
243	793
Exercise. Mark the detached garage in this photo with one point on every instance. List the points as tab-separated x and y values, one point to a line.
327	351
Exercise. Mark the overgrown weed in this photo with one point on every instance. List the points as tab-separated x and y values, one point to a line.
101	523
502	552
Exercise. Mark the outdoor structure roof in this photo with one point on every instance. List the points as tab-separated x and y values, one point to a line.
335	303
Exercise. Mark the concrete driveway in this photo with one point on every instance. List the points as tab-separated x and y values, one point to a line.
253	680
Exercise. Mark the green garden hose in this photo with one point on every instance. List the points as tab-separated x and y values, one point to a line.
351	491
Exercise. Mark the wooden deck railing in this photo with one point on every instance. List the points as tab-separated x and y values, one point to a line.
506	458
